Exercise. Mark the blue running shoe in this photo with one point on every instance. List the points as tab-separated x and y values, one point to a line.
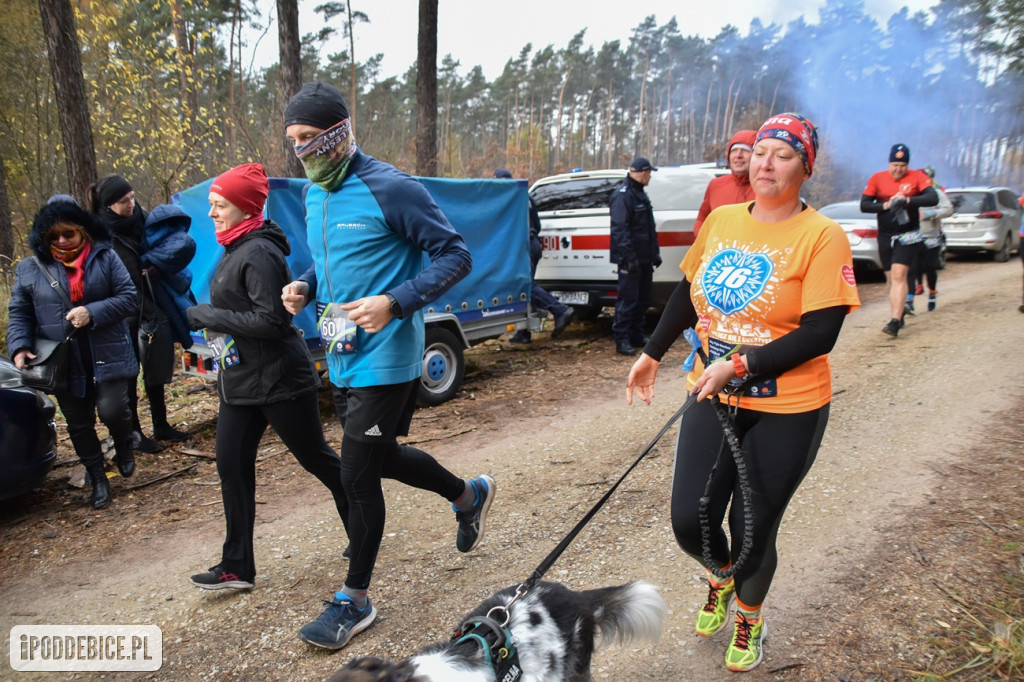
340	622
471	522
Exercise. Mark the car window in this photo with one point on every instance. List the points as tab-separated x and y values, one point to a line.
843	211
574	194
972	202
678	191
1007	199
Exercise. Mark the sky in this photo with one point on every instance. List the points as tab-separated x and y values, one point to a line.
488	33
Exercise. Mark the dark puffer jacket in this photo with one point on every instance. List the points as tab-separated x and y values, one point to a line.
274	363
37	311
167	246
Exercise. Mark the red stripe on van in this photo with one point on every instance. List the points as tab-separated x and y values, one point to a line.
675	238
597	242
592	242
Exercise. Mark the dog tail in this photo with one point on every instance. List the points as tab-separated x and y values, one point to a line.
627	614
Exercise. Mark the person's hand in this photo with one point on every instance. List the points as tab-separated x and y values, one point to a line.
152	273
78	317
630	266
713	380
371	313
22	357
641	379
294	295
657	261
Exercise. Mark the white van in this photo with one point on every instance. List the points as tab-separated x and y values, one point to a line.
576	226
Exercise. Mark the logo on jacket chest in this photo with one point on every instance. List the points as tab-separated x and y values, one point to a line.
350	226
732	279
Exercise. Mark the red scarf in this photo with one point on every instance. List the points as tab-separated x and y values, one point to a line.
74	261
232	234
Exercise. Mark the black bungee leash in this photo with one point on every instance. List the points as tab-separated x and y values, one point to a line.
726	417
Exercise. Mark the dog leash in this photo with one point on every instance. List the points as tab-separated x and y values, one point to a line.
524	588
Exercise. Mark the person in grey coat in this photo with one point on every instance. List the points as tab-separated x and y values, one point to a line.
75	248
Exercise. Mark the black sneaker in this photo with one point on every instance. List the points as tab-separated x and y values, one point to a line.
625	349
471	522
142	443
521	336
219	579
892	328
562	321
340	622
169	433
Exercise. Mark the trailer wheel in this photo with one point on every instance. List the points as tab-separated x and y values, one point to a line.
443	367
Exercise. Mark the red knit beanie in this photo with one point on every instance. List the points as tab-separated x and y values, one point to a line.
245	186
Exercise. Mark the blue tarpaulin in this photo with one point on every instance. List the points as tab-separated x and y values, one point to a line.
491	215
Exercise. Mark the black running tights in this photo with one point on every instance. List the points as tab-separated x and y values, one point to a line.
779	449
363	465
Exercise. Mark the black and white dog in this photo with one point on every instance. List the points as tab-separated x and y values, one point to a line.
554	629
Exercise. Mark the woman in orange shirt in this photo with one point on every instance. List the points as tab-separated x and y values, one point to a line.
767	285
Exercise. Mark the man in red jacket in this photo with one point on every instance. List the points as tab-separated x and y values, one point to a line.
735	187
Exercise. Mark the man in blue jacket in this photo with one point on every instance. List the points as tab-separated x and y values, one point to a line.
634	247
368	226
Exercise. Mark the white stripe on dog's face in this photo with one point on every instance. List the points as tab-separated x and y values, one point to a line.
443	667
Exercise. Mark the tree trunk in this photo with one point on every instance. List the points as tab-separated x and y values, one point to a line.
290	75
69	88
186	74
352	64
6	227
426	90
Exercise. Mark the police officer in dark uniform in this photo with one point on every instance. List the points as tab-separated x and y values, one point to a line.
634	248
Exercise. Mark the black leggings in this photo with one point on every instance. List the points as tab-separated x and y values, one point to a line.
239	429
779	449
362	467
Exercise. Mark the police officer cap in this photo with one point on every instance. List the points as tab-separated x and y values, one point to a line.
641	164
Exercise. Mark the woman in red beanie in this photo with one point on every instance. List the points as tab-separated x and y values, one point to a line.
767	285
266	376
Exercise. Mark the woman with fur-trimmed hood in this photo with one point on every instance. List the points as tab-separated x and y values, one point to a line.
75	248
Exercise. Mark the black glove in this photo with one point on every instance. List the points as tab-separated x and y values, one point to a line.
629	266
657	261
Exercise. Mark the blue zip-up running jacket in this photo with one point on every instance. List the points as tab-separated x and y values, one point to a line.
367	238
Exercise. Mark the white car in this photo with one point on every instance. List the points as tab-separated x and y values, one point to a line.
860	228
576	231
984	219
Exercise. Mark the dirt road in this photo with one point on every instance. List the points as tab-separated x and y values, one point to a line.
550	423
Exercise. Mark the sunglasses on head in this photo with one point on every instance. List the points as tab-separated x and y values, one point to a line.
66	234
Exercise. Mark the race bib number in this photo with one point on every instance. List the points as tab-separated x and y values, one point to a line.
760	389
223	347
337	331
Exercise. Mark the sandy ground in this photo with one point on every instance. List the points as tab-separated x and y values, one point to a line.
904	411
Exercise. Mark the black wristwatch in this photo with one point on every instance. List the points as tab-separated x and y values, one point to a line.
396	310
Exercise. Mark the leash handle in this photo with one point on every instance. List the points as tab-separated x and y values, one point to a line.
539	572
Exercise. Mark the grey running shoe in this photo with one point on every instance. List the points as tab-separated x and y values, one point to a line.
471	522
341	621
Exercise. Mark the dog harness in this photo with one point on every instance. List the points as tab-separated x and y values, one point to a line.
497	644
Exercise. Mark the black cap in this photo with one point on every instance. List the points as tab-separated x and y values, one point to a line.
111	188
503	173
899	154
641	164
317	104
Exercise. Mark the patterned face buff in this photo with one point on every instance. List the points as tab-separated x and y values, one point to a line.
797	132
326	156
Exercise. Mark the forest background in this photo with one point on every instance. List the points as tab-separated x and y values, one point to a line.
173	97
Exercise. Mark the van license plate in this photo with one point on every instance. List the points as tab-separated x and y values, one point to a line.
572	297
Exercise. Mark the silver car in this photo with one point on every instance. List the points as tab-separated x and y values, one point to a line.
861	229
984	219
